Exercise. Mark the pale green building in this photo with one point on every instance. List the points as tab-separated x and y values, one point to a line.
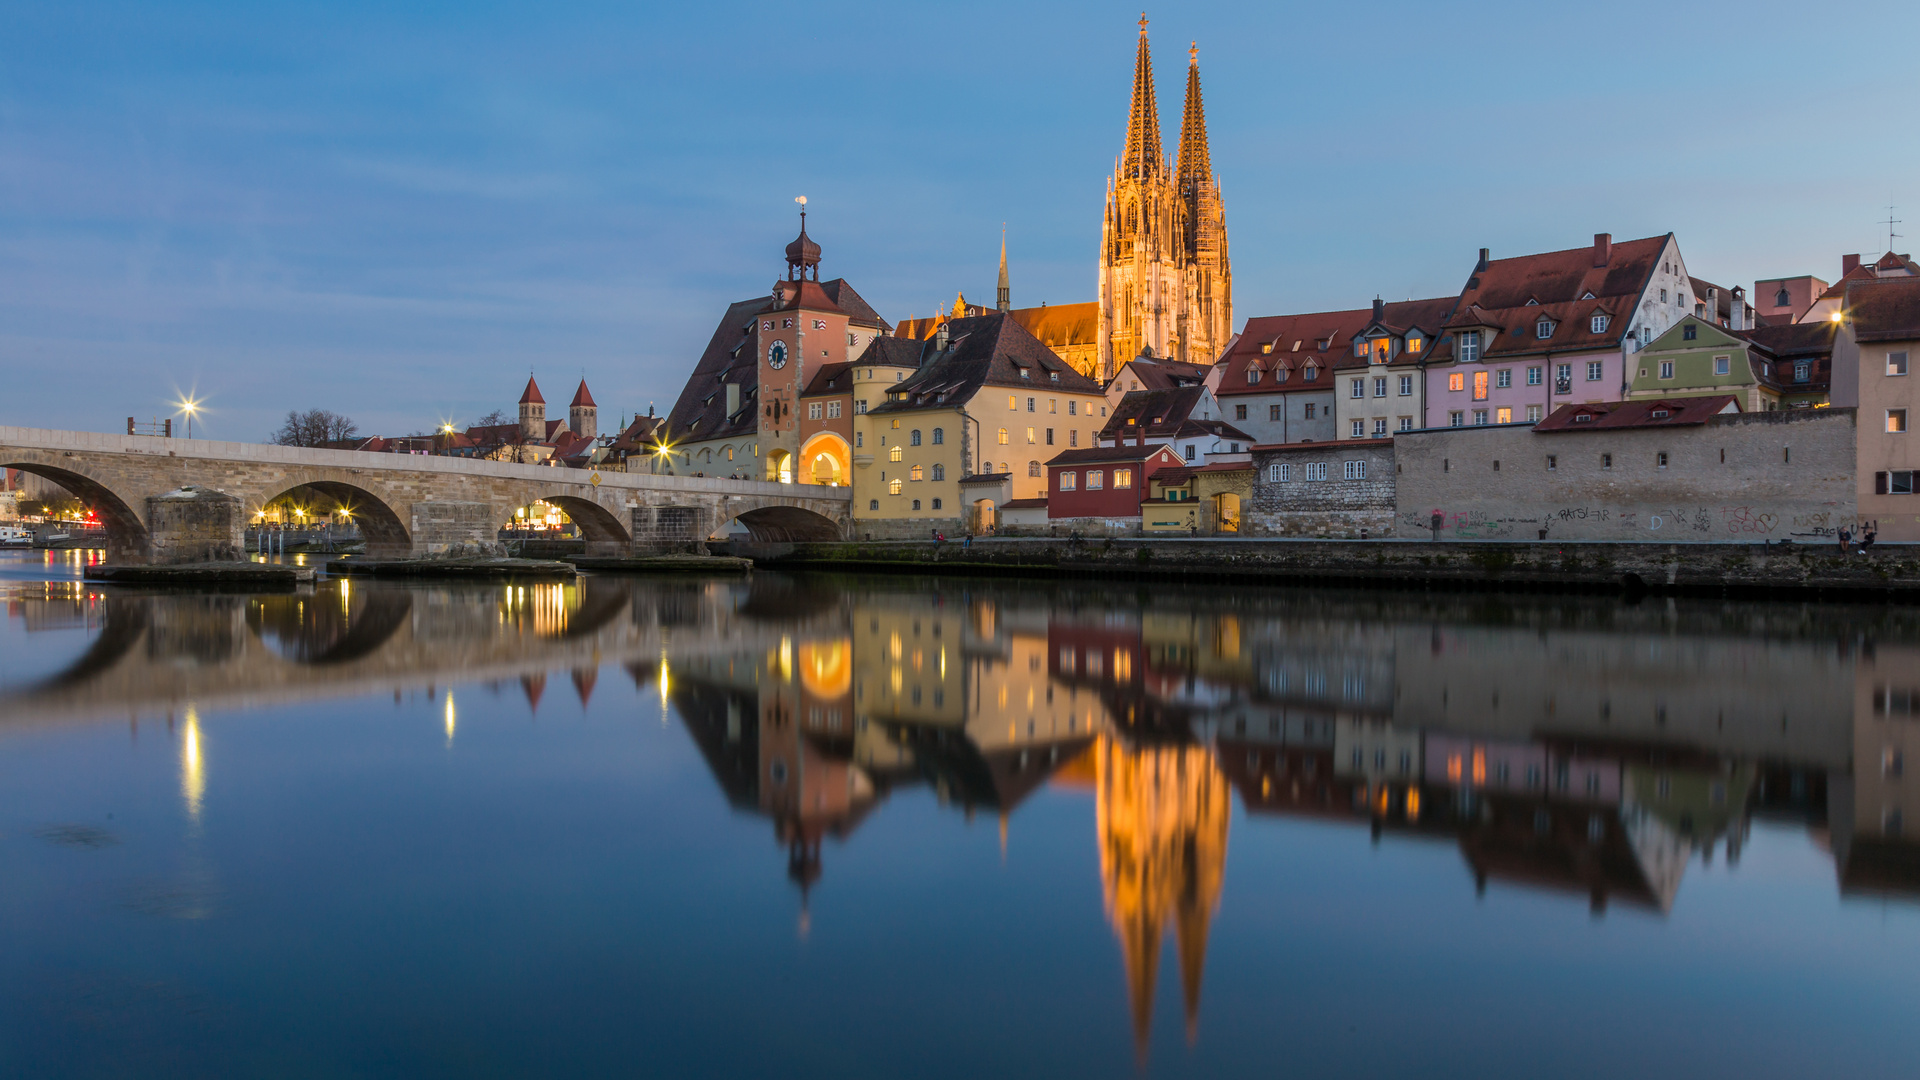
1765	368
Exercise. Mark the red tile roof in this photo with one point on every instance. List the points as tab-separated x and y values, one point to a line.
582	396
1554	277
1614	415
531	395
1885	310
1324	338
829	379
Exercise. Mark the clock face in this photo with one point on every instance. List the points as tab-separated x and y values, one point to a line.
777	355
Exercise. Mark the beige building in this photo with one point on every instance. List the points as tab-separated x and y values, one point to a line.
985	396
1873	371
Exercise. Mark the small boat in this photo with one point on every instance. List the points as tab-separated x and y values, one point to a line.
13	536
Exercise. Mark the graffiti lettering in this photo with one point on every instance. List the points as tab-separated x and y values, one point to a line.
1743	519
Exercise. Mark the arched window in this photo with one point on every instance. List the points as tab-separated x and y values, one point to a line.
939	472
986	467
936	506
939	436
1782	298
729	453
873	504
893	454
916	504
894	485
1003	436
1033	468
1006	467
914	437
915	474
1273	473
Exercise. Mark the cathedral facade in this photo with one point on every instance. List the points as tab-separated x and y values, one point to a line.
1166	283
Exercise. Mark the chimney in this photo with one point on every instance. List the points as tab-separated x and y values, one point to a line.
1379	309
1602	248
1483	261
1848	264
1738	320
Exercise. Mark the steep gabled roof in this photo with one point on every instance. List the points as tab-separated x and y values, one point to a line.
1885	310
829	379
1154	373
1517	332
1555	277
859	312
987	350
1793	340
1296	339
701	411
583	397
531	395
1156	412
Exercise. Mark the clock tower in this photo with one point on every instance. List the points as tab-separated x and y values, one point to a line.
801	331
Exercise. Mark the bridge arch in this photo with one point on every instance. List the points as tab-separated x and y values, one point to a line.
781	523
599	527
385	533
127	537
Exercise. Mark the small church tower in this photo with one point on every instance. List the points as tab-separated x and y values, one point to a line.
533	414
581	415
1004	302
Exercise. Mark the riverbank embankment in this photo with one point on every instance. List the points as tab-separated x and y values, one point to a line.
1748	570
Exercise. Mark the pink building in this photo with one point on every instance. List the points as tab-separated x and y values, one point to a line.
1536	332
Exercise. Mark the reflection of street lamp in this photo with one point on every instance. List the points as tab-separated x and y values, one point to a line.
189	406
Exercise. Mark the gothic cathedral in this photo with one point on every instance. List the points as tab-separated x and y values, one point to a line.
1166	284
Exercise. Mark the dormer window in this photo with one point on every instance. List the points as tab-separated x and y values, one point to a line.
1266	347
1414	343
1661	414
1323	344
1531	302
1025	374
1543	329
1802	371
1253	374
1583	418
1280	373
1054	375
1599	324
1313	371
1469	341
1588	296
1296	344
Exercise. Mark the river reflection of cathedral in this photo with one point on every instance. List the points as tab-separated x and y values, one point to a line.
1591	750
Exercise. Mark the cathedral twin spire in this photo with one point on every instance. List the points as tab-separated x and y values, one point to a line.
1145	154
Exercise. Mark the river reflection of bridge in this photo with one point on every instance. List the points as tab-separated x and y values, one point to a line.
1587	750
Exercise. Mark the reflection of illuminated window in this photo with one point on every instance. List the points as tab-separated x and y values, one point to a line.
1095	663
1122	664
1066	661
1479	766
1453	767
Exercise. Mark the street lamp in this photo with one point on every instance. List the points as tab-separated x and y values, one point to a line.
189	406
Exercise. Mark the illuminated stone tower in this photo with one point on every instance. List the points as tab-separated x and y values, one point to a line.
1165	285
583	414
533	413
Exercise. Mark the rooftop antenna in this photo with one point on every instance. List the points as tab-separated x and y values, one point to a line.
1891	222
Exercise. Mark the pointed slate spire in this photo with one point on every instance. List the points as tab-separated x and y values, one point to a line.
1144	149
1196	164
1005	299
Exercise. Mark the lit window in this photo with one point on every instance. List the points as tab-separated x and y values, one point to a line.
1414	343
1480	385
1503	416
893	454
894	485
1896	421
1457	381
1096	479
1068	481
1013	403
1003	436
1123	478
1030	439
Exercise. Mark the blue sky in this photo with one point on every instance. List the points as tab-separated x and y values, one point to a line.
397	210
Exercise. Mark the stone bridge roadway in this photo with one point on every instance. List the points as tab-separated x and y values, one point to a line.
189	500
158	653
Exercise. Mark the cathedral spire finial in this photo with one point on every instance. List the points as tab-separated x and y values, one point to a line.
1195	165
1005	299
1143	156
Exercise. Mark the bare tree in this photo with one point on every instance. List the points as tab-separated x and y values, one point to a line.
315	427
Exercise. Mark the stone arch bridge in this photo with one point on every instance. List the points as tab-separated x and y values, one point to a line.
189	500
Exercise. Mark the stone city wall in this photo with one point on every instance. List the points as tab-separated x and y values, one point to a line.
1740	478
1334	506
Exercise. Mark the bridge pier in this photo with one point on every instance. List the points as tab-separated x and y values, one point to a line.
670	530
443	528
190	525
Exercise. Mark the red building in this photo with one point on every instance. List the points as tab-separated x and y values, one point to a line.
1103	486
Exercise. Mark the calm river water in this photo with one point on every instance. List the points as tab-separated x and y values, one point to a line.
885	826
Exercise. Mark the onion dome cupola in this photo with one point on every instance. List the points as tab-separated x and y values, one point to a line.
803	254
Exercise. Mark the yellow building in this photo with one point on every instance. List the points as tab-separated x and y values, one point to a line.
985	396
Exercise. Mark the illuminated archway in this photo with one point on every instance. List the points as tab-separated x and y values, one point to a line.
824	460
385	534
603	532
1226	510
127	540
779	467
